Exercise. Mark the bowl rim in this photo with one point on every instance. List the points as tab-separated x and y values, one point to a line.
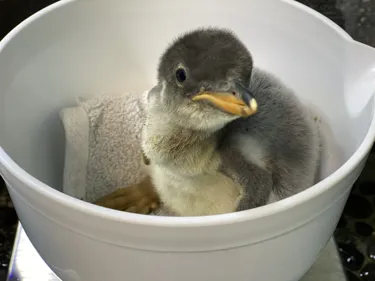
268	210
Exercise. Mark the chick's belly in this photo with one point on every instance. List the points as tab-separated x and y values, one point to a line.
207	194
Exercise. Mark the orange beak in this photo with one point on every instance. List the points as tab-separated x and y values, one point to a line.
230	103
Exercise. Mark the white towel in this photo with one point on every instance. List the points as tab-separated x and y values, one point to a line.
103	144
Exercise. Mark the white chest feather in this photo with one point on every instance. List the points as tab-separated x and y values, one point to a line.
185	171
205	194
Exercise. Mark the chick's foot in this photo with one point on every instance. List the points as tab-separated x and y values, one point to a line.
140	198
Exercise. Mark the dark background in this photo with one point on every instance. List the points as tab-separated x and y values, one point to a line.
357	17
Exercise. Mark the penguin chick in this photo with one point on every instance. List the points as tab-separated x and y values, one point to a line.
221	135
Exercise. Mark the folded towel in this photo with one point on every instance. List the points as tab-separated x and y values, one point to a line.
103	144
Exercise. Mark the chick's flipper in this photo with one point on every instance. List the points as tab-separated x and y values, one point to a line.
140	198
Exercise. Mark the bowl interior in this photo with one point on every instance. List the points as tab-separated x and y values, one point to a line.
84	49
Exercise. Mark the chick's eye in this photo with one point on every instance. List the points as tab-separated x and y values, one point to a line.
180	75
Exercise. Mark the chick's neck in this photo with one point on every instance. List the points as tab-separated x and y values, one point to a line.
167	143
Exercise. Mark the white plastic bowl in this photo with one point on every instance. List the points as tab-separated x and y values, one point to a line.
80	47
